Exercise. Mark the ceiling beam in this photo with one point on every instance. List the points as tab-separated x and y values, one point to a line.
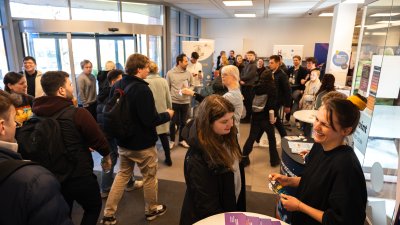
266	8
218	4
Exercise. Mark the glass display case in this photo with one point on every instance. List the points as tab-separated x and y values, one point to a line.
376	77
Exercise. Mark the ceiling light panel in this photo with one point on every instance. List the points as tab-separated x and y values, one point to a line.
245	15
290	7
353	1
195	6
387	21
326	14
238	3
384	14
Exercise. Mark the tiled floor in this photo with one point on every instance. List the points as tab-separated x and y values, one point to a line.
256	173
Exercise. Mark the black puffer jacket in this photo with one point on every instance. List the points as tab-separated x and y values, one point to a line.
266	85
30	196
209	190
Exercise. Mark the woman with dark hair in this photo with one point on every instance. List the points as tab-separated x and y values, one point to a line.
214	178
332	188
16	85
327	85
239	63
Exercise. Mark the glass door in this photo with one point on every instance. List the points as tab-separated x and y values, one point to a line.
84	47
116	49
50	51
155	52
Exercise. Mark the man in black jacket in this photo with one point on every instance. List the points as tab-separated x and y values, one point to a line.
248	78
283	90
30	195
80	133
140	147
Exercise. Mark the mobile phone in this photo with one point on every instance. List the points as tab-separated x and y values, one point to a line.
276	187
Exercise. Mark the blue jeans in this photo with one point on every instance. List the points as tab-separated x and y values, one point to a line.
107	179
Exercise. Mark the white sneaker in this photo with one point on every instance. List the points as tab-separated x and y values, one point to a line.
171	144
184	144
256	144
137	185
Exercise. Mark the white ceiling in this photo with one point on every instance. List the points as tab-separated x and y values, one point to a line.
208	9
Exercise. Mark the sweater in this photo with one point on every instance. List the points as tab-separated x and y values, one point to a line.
86	89
178	79
333	181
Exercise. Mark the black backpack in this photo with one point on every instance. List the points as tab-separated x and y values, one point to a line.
40	139
117	120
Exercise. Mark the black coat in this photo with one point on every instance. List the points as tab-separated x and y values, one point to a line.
209	190
265	85
102	99
284	94
31	195
144	114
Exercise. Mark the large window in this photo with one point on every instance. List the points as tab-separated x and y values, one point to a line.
116	49
84	47
155	52
40	9
376	139
49	50
184	27
3	58
95	10
142	13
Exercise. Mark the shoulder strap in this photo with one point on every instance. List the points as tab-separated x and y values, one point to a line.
127	88
59	113
8	167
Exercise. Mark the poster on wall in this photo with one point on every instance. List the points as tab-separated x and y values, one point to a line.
360	136
287	52
205	49
340	60
364	78
373	89
321	52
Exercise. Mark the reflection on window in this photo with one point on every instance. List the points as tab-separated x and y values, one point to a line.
155	51
142	42
64	55
379	49
50	51
39	9
174	21
141	13
95	10
107	52
45	54
84	48
3	60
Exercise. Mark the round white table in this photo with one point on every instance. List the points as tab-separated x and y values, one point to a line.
219	219
307	116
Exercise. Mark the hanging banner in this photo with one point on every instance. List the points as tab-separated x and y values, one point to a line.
205	49
287	52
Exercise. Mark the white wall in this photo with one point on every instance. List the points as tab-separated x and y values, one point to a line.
260	35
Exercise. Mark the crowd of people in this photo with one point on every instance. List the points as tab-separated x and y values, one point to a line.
331	191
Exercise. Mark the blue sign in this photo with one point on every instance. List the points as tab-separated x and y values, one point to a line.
340	58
